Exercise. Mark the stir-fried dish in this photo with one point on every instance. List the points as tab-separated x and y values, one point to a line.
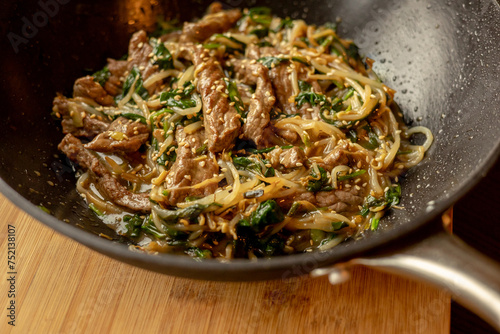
240	135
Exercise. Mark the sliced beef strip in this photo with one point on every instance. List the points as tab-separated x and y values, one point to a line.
109	186
341	155
139	55
262	100
123	135
117	69
88	88
186	171
346	200
221	120
90	128
212	23
283	87
292	157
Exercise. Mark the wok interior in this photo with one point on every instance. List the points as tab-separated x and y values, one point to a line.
441	58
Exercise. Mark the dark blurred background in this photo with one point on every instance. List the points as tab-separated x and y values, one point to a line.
475	220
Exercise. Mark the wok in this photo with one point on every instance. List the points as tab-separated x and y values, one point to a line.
442	57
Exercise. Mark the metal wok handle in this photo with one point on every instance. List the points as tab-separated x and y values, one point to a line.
444	261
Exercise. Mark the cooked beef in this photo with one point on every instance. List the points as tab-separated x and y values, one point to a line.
221	120
292	157
262	100
89	128
117	69
123	135
88	88
346	200
342	155
283	87
212	23
139	55
108	185
186	172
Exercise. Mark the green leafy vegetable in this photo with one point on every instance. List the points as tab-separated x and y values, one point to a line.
260	32
267	213
234	96
271	62
95	209
134	117
149	226
352	175
319	182
133	225
167	156
161	55
260	15
285	23
139	88
374	223
102	76
189	213
184	101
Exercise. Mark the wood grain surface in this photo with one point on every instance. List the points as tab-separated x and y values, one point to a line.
63	287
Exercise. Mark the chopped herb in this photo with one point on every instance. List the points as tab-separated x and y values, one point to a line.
41	207
374	223
95	209
317	235
349	94
295	206
211	46
199	253
352	175
133	225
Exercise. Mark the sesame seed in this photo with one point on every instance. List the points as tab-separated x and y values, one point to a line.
202	163
187	177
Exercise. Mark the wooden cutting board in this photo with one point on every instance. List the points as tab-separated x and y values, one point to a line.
63	287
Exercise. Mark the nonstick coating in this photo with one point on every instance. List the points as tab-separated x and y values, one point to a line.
442	57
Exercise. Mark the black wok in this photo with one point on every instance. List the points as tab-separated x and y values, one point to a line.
441	56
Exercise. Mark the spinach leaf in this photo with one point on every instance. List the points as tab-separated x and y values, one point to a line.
184	101
189	213
139	88
102	76
267	213
161	55
319	182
